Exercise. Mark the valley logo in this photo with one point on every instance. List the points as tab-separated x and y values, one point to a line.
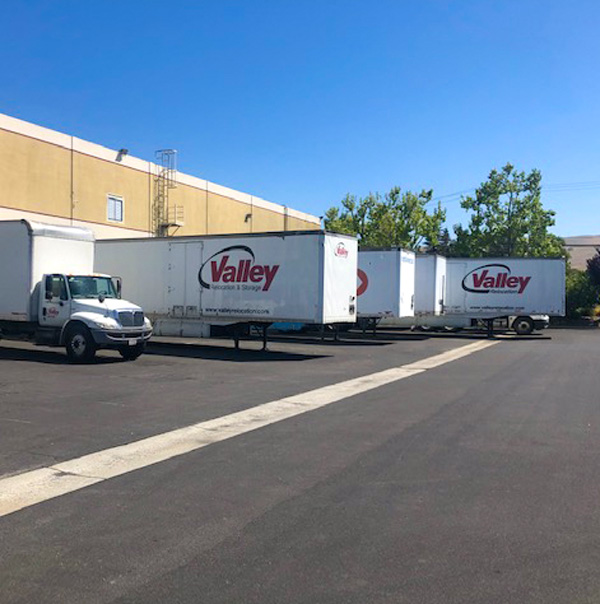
341	251
494	278
242	271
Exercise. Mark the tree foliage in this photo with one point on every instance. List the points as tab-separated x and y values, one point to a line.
593	269
396	219
507	218
582	294
445	245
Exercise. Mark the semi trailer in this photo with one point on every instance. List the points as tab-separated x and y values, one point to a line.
385	285
191	285
50	294
458	293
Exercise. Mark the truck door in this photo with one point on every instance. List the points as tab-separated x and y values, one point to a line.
54	301
456	296
183	296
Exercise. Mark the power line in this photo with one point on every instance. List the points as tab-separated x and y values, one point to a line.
565	184
452	194
451	197
561	187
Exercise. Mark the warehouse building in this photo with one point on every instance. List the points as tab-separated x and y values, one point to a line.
60	179
581	249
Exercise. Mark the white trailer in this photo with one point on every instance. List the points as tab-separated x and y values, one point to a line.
50	294
188	284
430	284
385	285
520	292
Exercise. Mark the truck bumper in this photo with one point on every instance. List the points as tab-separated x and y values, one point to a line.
118	339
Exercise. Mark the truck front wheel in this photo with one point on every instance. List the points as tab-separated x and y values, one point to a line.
131	353
80	344
523	325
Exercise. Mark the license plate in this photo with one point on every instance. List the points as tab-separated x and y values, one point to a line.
132	342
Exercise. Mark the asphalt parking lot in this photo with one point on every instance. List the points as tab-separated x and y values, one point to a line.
474	481
57	408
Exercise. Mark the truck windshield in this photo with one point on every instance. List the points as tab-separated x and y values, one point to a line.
91	287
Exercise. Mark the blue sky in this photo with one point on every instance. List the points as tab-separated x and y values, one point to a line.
302	101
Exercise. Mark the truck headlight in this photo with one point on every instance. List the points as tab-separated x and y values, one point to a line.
106	323
147	323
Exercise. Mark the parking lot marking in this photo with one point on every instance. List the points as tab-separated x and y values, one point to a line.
33	487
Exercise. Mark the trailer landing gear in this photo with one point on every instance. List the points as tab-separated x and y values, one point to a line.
244	329
335	328
370	323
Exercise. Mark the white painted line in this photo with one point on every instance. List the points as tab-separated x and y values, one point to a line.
450	355
29	488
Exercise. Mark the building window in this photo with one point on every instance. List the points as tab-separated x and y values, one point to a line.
115	208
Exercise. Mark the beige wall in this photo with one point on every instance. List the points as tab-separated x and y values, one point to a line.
581	249
100	231
34	176
94	179
265	220
54	176
194	209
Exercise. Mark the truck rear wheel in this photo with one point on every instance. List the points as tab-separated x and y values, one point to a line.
80	344
523	325
131	353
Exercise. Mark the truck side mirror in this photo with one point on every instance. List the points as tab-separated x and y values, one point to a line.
118	282
48	295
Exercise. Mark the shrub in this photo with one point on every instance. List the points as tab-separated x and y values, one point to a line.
582	295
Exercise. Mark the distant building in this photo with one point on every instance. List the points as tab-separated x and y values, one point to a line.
582	249
60	179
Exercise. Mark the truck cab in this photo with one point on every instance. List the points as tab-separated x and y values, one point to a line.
85	313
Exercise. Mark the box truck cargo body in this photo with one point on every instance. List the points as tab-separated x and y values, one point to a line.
386	283
28	251
50	294
187	284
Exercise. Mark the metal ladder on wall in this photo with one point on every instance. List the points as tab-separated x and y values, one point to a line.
164	214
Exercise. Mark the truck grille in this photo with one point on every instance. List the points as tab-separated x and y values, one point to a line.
131	319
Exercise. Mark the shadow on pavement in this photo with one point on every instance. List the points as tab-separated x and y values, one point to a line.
385	337
49	357
345	339
221	353
399	335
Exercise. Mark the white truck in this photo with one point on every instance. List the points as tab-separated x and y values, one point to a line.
519	293
385	285
189	284
50	294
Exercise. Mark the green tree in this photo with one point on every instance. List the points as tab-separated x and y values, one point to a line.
593	269
353	218
508	218
445	245
582	294
396	219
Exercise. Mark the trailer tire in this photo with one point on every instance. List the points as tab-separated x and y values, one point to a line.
524	326
451	329
79	343
131	353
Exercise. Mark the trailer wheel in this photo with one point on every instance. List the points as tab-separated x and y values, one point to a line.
131	353
80	344
523	325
